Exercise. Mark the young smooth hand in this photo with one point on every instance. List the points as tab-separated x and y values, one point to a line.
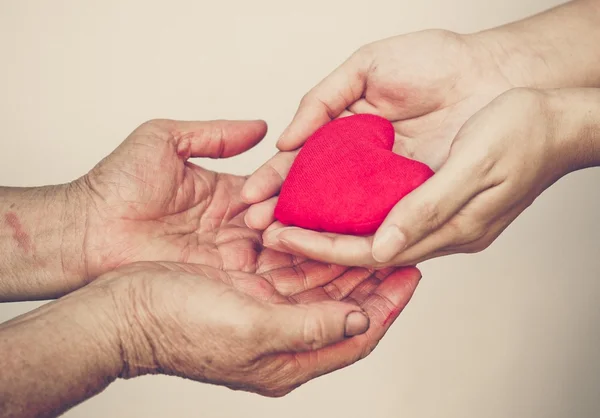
499	163
426	83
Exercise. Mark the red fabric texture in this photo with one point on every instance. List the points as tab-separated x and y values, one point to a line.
346	178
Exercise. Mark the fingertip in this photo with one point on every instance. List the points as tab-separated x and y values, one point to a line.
260	215
285	143
281	141
257	188
298	131
248	221
387	243
248	192
260	125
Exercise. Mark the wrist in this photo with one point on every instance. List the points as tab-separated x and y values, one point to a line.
134	321
94	315
41	240
576	116
522	62
554	49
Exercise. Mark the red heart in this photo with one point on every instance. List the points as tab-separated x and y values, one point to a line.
346	178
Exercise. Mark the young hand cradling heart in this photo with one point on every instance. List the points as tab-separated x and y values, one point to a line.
499	162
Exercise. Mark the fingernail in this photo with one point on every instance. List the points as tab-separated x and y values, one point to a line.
387	244
356	323
246	221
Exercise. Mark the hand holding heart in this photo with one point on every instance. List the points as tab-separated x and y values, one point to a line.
427	84
499	162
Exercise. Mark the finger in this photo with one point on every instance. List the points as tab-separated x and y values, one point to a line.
260	215
327	100
336	289
216	139
304	276
383	306
296	328
267	180
347	250
389	299
496	228
426	208
468	225
363	106
270	260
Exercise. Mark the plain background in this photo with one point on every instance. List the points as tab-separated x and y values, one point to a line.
513	331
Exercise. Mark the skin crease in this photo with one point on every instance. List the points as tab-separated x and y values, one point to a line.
434	86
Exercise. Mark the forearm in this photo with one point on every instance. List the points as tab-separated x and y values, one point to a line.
58	355
40	241
557	48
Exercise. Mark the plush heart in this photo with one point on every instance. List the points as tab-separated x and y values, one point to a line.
346	178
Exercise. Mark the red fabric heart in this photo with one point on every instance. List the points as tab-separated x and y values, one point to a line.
346	178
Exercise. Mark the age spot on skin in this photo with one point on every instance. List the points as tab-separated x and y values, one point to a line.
19	235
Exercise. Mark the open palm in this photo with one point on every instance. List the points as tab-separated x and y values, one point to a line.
270	331
146	201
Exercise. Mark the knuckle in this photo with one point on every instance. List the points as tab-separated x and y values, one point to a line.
313	331
429	214
252	333
333	291
466	231
477	246
155	125
307	99
365	50
484	165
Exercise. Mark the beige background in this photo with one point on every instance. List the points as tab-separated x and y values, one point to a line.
514	331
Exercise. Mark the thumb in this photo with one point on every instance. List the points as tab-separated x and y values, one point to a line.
427	208
313	326
326	101
215	139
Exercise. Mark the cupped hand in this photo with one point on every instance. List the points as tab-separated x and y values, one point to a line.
501	160
265	332
147	201
426	83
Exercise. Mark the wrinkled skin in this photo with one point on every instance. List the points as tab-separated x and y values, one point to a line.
266	333
146	201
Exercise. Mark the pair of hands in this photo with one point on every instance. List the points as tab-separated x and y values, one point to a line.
454	106
218	307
